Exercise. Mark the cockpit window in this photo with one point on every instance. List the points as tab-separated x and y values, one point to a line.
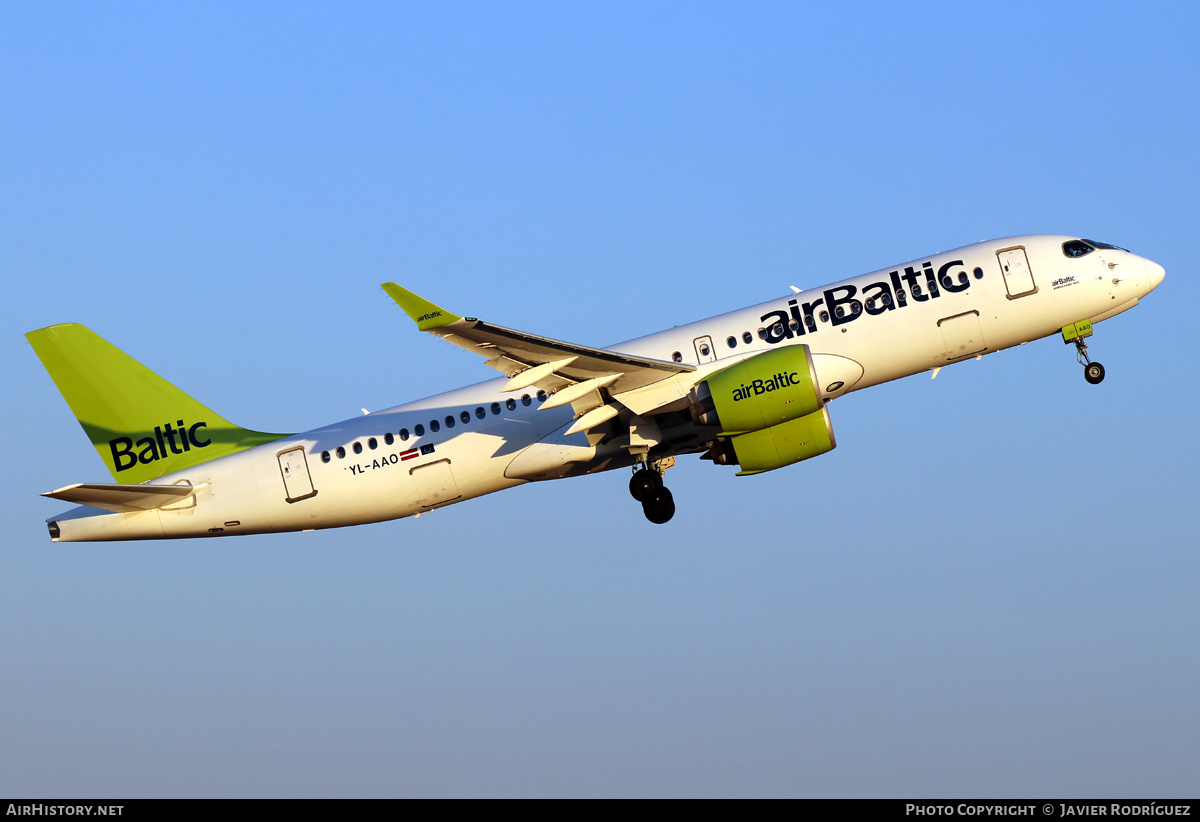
1077	248
1106	245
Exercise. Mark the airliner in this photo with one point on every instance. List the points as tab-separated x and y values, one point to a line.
749	389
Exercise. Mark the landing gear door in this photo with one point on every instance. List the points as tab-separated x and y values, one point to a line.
1018	278
297	482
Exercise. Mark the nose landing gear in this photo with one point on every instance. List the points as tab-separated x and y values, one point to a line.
646	486
1093	372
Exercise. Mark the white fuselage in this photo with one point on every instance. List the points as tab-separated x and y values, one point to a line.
887	329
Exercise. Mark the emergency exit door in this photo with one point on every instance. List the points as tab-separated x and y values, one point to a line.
704	349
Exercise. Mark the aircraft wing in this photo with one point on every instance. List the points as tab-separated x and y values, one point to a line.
581	375
528	359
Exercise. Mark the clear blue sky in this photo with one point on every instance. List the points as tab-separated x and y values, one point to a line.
988	589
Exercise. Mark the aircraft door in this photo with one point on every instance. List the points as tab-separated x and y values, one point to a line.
297	482
704	349
435	483
1018	278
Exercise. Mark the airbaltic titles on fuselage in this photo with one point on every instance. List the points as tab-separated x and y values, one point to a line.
877	297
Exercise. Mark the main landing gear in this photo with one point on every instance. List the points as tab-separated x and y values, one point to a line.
1093	372
646	486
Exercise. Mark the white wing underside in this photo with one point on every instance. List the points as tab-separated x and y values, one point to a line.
588	378
598	383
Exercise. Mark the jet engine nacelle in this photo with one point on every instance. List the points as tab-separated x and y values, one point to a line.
768	409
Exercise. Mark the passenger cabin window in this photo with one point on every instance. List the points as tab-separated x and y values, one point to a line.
372	443
324	456
449	420
480	413
434	426
510	404
404	433
465	416
541	395
747	337
419	430
358	447
732	342
1076	248
389	438
676	356
495	408
341	452
525	399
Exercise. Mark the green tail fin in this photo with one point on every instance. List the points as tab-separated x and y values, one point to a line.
142	426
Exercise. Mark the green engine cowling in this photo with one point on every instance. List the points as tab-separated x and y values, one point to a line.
768	409
783	444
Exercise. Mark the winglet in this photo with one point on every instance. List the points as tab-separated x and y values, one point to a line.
425	314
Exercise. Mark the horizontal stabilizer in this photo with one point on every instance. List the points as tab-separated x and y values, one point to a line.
123	498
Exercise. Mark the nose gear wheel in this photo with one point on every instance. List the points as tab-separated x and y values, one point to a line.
1093	372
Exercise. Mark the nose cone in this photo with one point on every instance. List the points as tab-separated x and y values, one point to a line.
1155	273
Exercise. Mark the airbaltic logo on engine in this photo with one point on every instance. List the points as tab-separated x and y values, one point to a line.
156	447
840	305
780	380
